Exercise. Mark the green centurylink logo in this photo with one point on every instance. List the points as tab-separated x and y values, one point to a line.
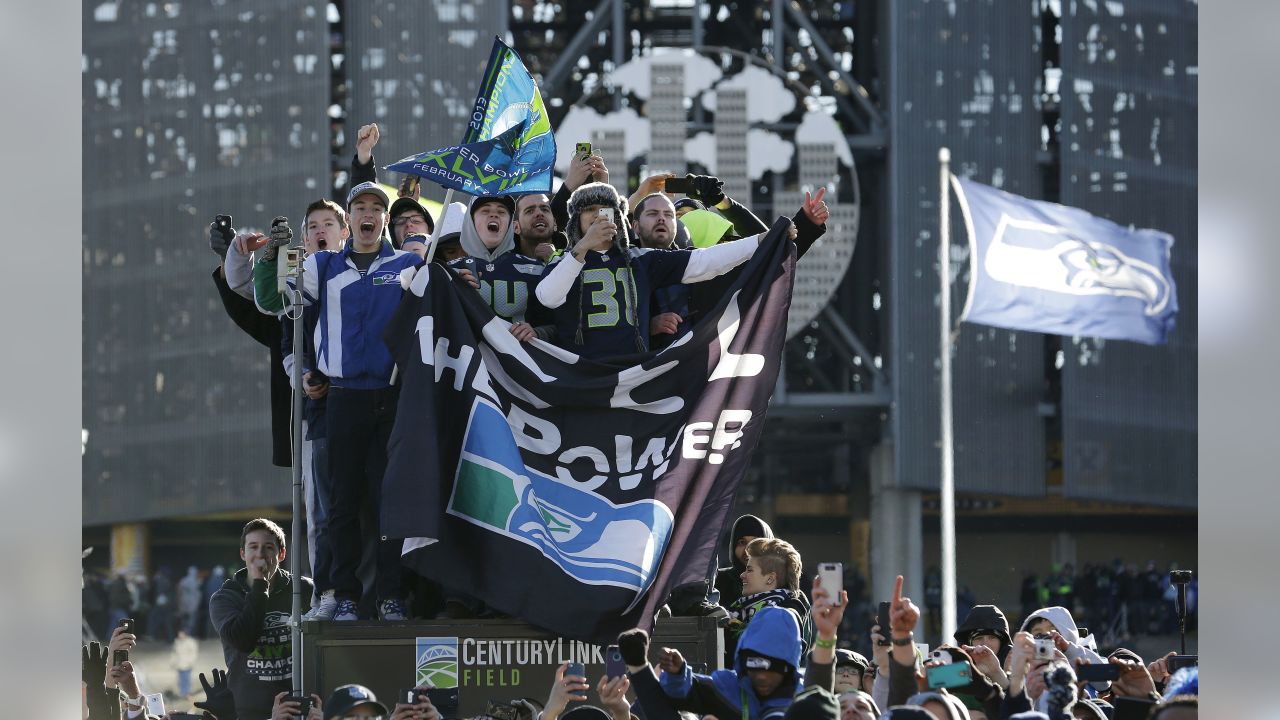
437	662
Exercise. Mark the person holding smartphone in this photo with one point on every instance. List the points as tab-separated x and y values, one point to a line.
598	291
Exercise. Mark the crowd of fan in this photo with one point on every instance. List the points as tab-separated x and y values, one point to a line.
784	659
602	276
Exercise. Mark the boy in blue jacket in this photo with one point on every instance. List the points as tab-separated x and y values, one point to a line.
762	683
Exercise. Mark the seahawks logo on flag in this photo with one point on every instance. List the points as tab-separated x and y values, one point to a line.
586	535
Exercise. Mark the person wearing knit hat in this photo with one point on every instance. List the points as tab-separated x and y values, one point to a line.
599	290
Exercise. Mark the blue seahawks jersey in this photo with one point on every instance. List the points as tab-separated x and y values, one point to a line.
507	283
603	300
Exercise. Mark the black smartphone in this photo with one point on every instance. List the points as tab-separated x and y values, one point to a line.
410	696
678	185
582	149
409	185
1177	662
613	663
1098	672
304	702
127	624
1082	631
118	657
184	716
317	378
222	223
443	699
882	619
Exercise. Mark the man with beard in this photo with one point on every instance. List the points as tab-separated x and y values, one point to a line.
599	288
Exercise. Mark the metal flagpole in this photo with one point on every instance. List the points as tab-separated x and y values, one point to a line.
435	232
295	561
947	493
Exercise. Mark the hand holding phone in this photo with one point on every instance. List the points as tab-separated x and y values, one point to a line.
832	575
951	675
882	619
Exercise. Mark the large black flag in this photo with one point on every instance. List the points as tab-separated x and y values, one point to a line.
572	493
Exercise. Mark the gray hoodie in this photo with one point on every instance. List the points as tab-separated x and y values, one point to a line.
474	246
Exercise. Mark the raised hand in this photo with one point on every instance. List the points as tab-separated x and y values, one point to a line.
565	689
366	138
670	660
814	208
93	665
218	698
903	614
248	243
613	696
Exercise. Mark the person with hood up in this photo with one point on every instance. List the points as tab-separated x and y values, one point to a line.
599	289
1058	620
763	682
729	579
491	232
505	283
984	635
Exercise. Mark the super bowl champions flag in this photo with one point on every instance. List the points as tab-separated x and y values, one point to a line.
572	493
1049	268
508	146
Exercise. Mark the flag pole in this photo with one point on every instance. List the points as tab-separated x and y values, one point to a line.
435	232
947	499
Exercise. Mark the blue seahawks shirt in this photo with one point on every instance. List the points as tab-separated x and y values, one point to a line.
507	283
603	301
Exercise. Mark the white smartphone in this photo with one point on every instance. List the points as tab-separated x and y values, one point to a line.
607	214
155	704
832	575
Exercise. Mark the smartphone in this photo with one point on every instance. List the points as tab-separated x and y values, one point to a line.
185	716
678	185
410	696
1097	672
304	702
613	664
882	619
576	668
118	657
444	699
223	223
155	704
1177	662
582	149
127	624
953	675
832	575
607	214
409	185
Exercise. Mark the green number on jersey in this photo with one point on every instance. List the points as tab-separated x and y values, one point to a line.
605	295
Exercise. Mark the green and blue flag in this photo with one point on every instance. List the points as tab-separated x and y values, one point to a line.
508	147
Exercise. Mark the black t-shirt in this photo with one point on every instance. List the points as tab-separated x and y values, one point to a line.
363	260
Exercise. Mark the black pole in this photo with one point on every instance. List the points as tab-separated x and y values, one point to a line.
1182	615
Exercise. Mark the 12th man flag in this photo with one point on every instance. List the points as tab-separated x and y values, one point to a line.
573	493
1053	269
508	146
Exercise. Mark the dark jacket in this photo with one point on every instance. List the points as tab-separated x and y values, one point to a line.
985	617
253	624
773	632
728	581
704	295
266	330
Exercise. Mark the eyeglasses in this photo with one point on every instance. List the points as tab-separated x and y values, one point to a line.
409	220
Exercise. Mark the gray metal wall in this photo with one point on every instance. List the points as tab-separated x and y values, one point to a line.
967	80
415	68
1129	96
189	111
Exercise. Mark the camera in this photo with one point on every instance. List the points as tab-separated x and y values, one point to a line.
940	656
1044	648
1179	577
